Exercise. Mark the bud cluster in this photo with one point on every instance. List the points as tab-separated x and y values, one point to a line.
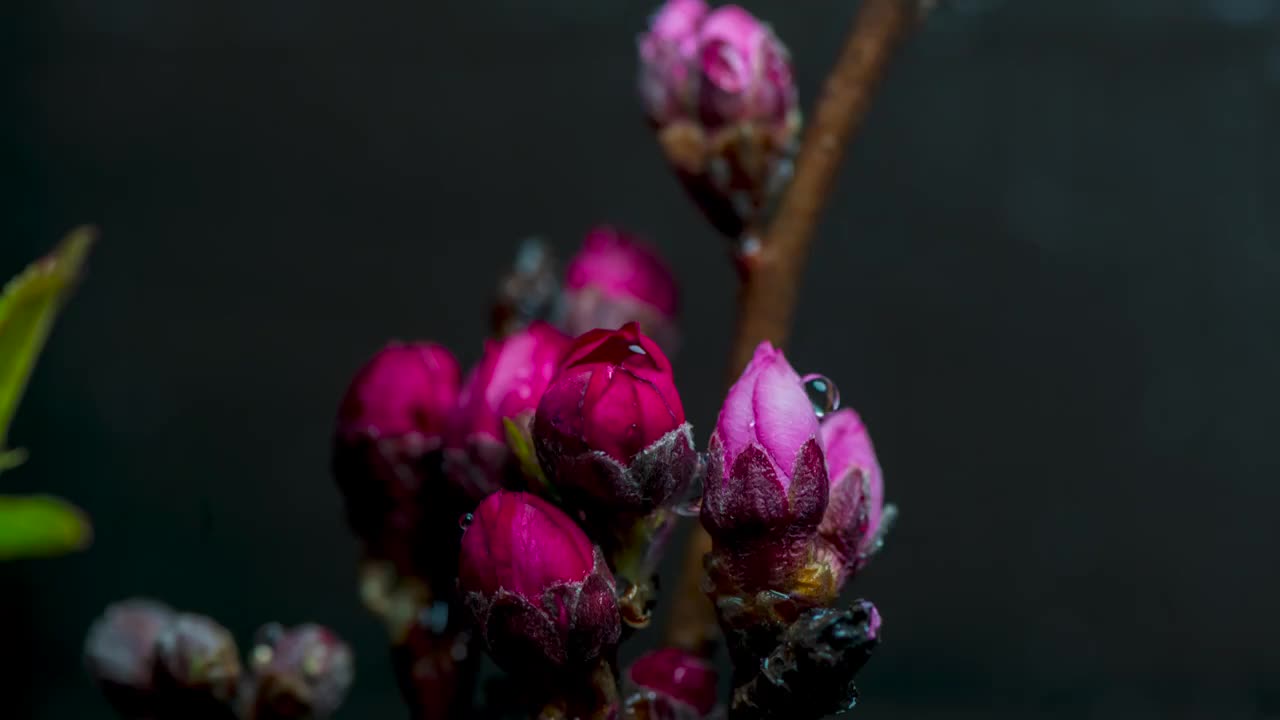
151	661
594	424
564	454
794	503
417	444
550	567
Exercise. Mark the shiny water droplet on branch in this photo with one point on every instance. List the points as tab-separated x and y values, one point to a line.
823	394
465	521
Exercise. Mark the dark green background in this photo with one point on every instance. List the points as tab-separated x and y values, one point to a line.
1048	279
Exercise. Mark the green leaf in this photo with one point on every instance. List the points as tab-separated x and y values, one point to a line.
28	307
41	526
522	447
10	459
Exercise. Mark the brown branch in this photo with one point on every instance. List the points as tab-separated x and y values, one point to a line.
771	278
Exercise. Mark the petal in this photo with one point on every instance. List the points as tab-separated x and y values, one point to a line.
784	417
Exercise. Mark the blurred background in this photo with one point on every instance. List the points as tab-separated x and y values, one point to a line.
1048	280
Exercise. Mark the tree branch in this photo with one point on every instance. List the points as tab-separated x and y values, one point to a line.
772	270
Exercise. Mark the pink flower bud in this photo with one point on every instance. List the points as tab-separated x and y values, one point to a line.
766	476
616	279
851	528
539	591
506	384
610	428
120	653
719	90
667	52
302	672
745	71
684	685
386	447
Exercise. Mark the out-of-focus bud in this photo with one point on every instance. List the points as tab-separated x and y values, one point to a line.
197	668
386	447
539	591
667	54
672	685
303	672
120	654
851	528
744	73
610	430
530	290
616	279
506	384
766	486
718	88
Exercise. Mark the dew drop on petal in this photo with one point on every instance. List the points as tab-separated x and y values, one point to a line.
637	349
465	521
823	394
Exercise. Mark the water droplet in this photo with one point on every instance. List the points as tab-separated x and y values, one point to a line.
465	521
823	394
689	508
637	349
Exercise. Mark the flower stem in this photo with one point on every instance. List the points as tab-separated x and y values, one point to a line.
771	269
434	654
590	696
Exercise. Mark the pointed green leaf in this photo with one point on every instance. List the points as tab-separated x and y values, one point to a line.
41	526
522	447
28	307
10	459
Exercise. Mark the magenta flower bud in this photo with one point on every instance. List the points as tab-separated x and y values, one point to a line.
389	432
766	476
682	685
667	53
302	672
538	590
616	279
611	429
851	526
407	388
506	384
197	668
745	72
120	653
